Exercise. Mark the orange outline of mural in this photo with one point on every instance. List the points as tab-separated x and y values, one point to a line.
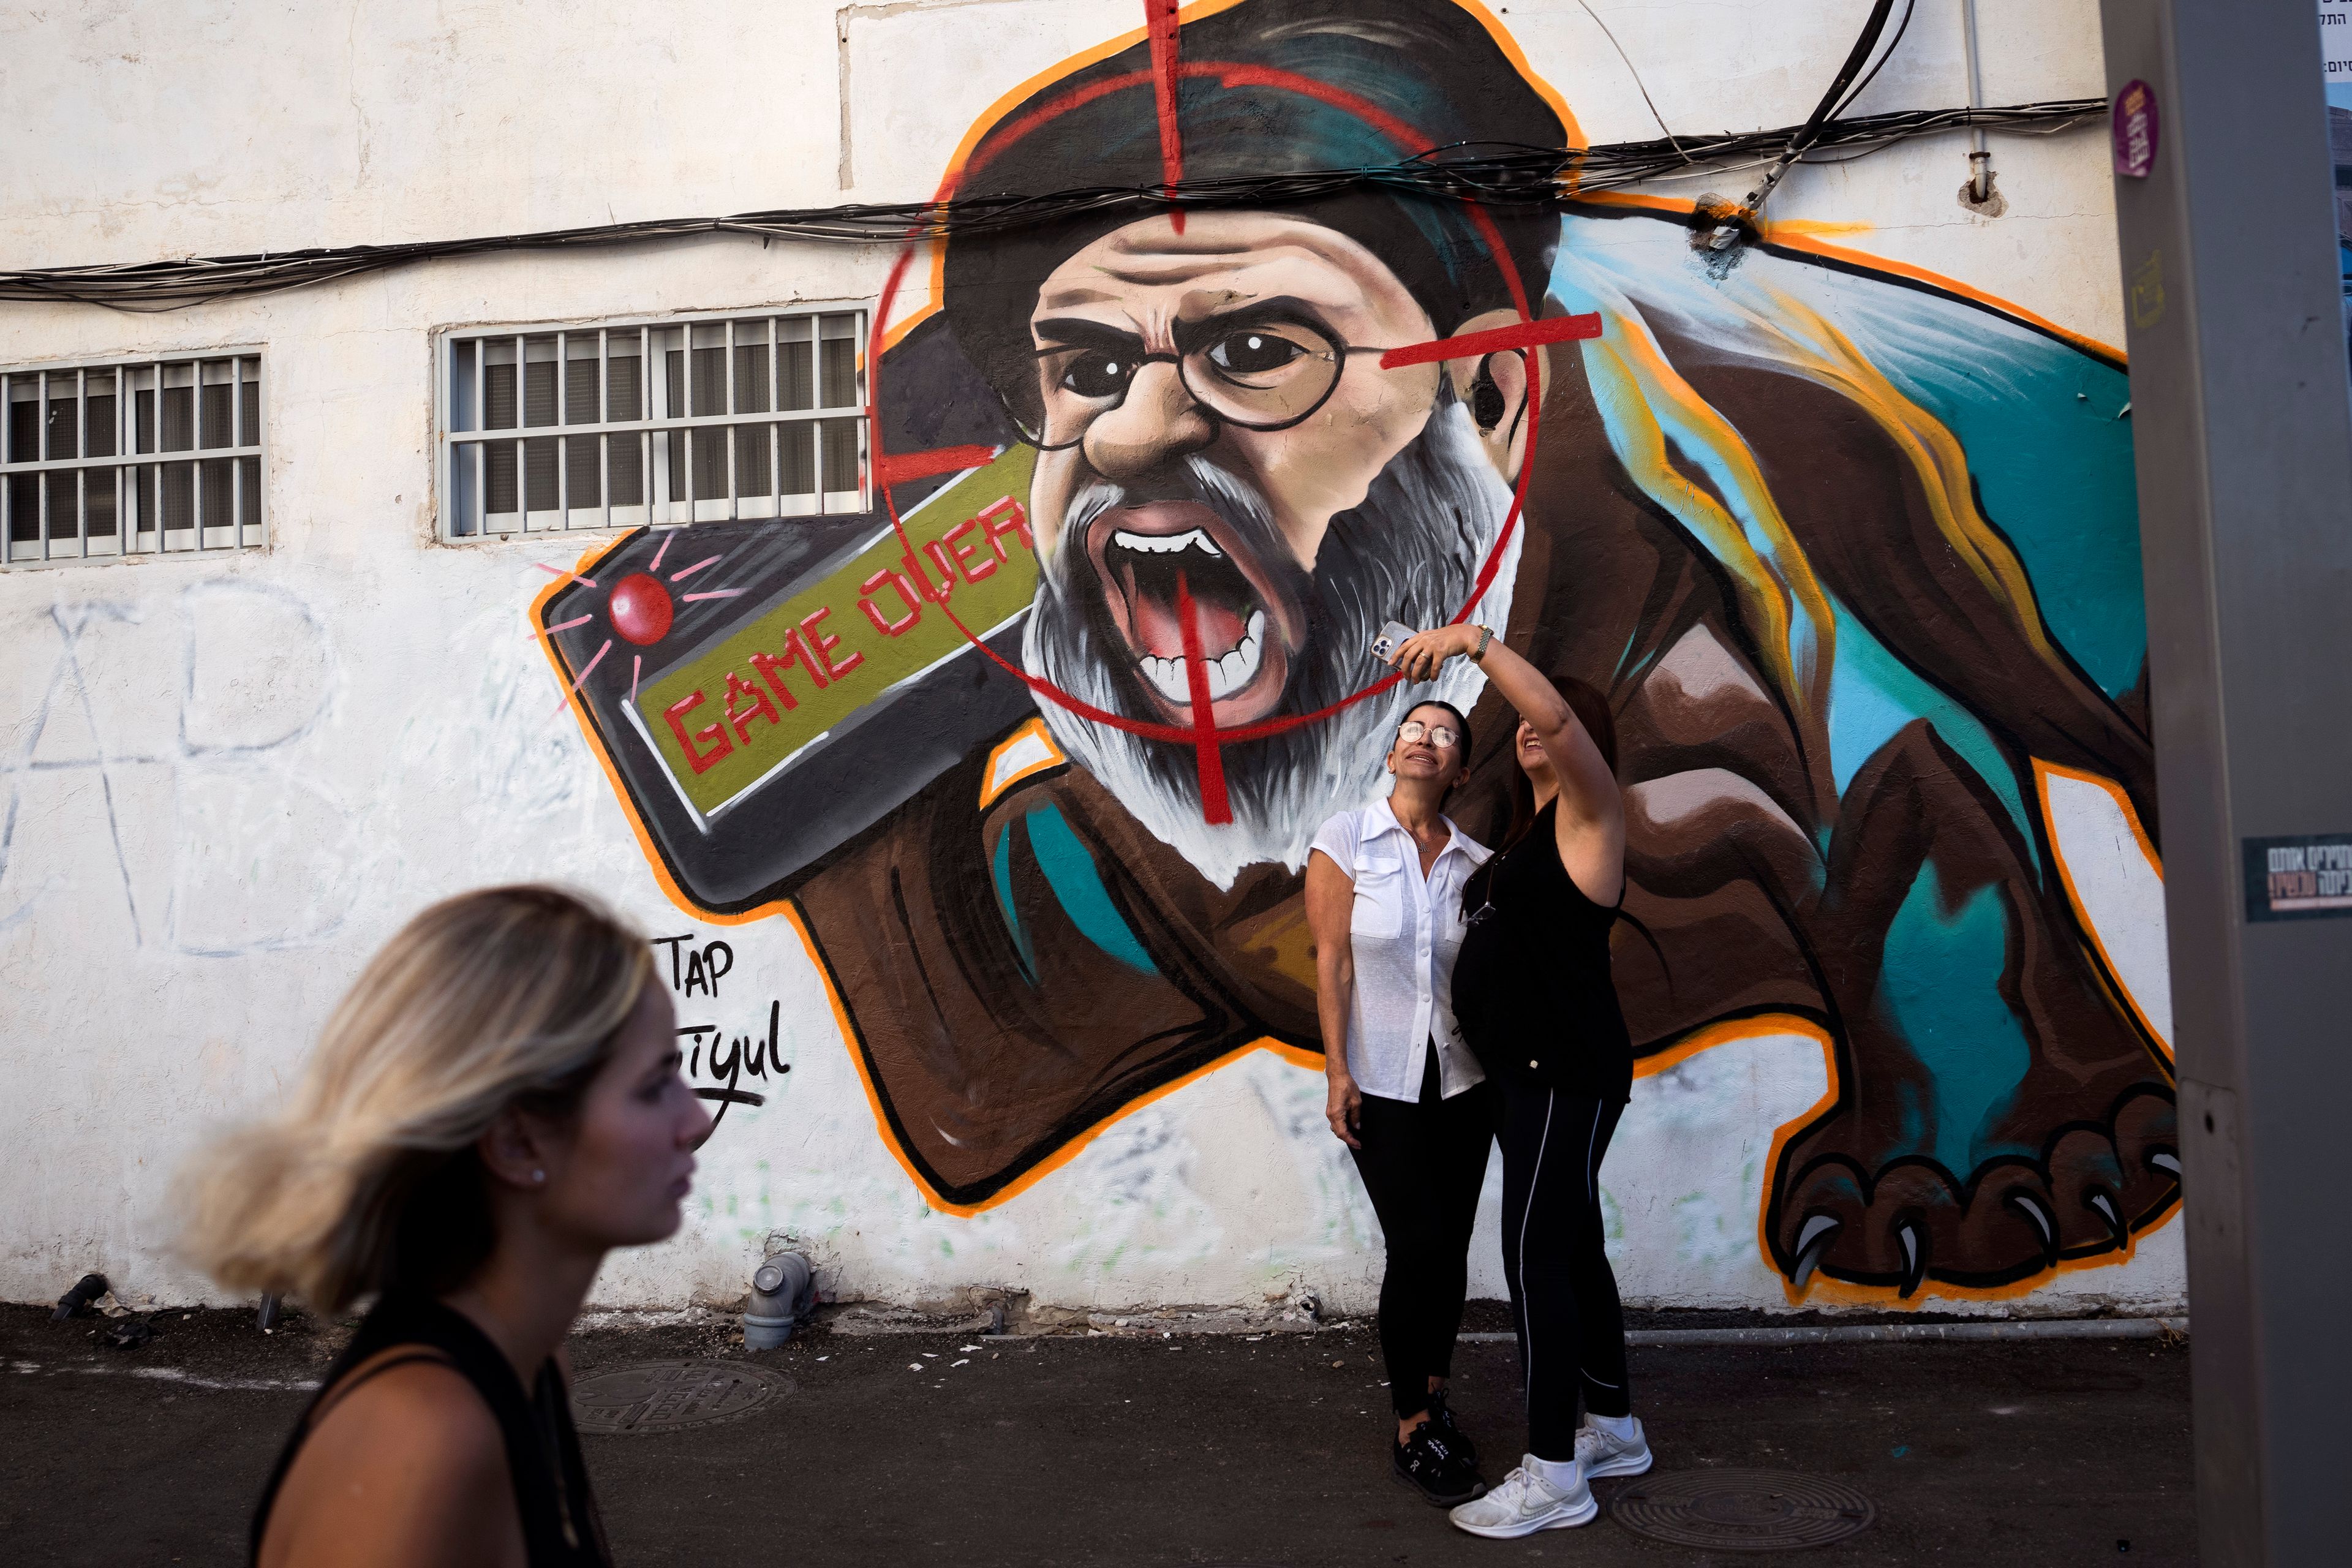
994	782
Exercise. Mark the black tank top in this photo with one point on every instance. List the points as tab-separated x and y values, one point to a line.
561	1528
1532	989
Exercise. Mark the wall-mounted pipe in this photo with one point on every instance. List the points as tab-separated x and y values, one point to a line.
783	1291
1980	156
89	1288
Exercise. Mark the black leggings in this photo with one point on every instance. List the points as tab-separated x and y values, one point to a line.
1563	1295
1424	1162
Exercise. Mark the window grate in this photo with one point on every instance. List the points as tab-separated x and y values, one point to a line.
130	457
702	419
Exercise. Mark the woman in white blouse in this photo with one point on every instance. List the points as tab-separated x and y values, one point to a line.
1384	907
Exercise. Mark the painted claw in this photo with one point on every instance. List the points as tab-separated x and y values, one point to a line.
1915	1256
2116	1227
2030	1207
1812	1242
2165	1160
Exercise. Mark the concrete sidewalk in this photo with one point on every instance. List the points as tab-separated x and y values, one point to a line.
1130	1451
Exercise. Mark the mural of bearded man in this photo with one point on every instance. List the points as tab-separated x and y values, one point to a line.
1760	514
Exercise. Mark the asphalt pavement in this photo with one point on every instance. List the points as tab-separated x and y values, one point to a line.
1131	1450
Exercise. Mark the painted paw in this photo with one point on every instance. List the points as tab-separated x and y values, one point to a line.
1908	1220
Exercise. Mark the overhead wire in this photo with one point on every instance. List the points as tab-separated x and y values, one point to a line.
1640	86
1497	174
1892	45
1731	228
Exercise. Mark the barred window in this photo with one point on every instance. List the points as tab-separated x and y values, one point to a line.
676	420
131	457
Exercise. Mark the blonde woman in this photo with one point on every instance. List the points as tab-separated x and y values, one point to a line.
493	1107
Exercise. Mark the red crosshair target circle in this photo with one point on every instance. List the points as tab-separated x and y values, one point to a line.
1203	734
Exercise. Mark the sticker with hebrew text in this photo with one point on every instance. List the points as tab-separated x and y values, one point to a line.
2301	875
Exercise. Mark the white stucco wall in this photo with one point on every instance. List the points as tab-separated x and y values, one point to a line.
227	779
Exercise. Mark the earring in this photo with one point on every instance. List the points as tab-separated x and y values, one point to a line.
539	1175
1485	397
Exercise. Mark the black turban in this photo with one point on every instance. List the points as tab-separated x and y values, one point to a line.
1307	85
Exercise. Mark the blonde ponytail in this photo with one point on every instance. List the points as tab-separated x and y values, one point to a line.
500	997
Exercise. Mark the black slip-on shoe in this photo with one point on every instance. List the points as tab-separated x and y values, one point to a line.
1432	1465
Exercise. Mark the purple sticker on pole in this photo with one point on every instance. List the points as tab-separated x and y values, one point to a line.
2136	127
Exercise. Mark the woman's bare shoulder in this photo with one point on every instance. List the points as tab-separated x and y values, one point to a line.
408	1467
1592	852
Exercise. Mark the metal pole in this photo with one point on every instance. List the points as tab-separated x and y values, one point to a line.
7	485
522	442
156	445
646	409
605	416
734	407
41	448
1979	156
123	538
563	443
81	455
775	431
2242	431
482	428
237	433
196	447
261	494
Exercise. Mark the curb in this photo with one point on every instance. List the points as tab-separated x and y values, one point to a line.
1885	1333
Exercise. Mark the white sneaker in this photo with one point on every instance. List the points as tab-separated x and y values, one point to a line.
1525	1503
1598	1453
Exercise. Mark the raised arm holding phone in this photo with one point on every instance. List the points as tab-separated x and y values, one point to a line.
1534	1001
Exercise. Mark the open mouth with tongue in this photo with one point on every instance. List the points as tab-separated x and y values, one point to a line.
1153	556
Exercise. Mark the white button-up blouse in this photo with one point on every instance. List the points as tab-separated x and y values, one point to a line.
1405	931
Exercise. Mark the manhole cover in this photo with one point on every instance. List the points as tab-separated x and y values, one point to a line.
660	1395
1742	1510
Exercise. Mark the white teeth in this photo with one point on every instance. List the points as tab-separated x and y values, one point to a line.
1166	543
1227	675
1237	669
1168	677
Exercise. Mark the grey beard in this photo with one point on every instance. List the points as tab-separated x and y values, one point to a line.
1411	553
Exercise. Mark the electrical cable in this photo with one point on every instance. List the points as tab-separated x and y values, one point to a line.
1494	175
1640	86
1731	227
1892	45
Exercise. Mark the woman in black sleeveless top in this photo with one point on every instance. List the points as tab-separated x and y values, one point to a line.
1535	999
495	1106
536	1442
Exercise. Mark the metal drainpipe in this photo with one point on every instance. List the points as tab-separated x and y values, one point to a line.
1979	156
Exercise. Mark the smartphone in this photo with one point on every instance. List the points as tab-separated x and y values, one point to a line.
1394	636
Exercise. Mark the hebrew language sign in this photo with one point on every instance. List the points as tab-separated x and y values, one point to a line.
2299	877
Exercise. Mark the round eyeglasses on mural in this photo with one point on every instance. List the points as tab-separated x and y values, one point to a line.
1246	371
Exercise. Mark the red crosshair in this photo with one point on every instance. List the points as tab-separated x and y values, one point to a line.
1159	23
891	468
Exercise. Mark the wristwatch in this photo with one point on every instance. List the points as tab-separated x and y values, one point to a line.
1486	636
